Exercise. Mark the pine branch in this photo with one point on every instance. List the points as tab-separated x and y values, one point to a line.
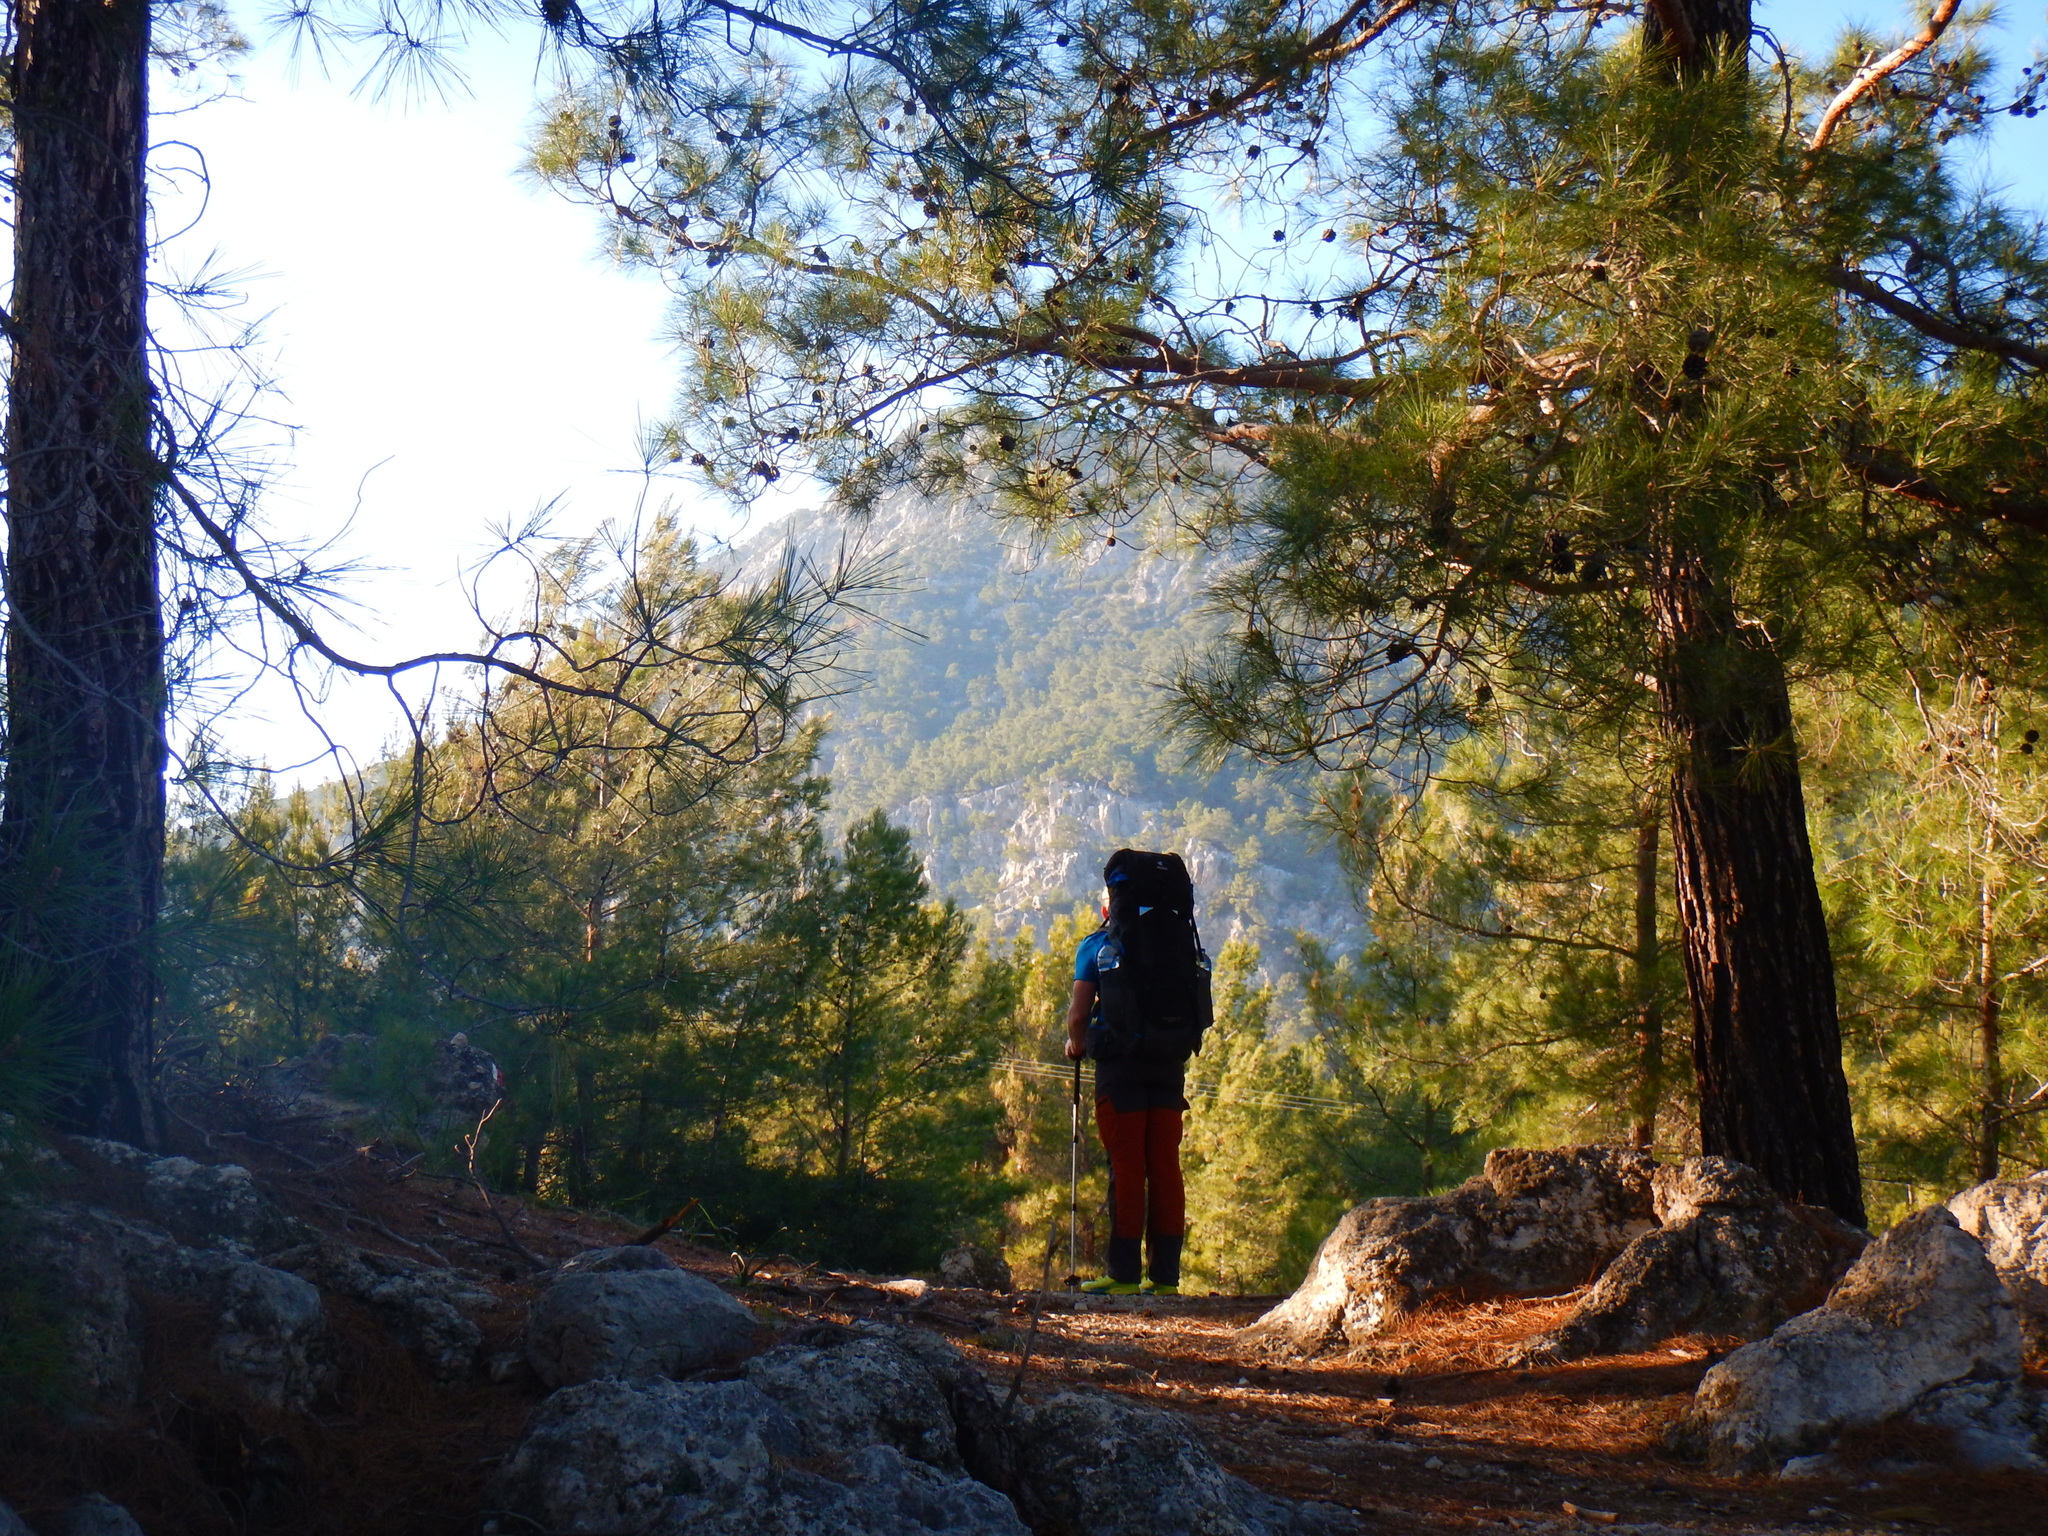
1928	323
1885	470
1868	77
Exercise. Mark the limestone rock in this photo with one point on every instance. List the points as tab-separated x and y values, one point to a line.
270	1334
78	1263
874	1490
95	1515
1922	1308
1680	1193
1996	1425
1102	1465
1534	1221
868	1391
426	1309
1731	1258
664	1456
974	1268
207	1205
982	1432
612	1455
606	1261
873	1429
2010	1218
117	1153
632	1324
214	1206
464	1082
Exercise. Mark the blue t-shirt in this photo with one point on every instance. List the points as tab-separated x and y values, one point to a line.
1127	1085
1085	956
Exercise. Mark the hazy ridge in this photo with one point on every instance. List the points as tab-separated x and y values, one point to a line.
1008	714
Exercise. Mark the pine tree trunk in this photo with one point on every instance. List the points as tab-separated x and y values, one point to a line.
1695	30
1766	1043
82	827
1767	1050
1649	1001
1990	1006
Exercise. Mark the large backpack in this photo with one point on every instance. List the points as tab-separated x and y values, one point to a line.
1152	975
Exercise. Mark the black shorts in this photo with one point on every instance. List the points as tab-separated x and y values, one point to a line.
1135	1085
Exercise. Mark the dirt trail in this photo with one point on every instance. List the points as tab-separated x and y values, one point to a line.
1423	1436
1420	1434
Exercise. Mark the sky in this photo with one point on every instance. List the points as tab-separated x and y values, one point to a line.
450	348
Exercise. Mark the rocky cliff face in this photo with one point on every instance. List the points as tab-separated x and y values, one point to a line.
1010	713
1043	841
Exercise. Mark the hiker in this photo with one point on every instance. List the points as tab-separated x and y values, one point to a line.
1141	1001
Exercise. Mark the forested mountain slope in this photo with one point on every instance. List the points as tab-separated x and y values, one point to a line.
1008	712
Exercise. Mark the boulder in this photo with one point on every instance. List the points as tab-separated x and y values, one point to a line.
1730	1258
271	1337
1995	1425
2010	1218
214	1206
79	1264
425	1309
973	1267
614	1455
1921	1309
873	1489
870	1390
207	1205
1103	1465
464	1082
116	1153
632	1324
664	1456
872	1429
269	1328
608	1261
95	1515
982	1431
1533	1222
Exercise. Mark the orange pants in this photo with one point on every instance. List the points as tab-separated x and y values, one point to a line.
1146	1193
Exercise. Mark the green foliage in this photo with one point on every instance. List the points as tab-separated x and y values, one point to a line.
885	1102
1035	1087
1931	845
1265	1182
691	997
1519	920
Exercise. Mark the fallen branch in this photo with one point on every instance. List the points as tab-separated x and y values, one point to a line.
349	1213
470	1146
661	1229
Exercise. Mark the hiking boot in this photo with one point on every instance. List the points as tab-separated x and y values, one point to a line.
1103	1285
1162	1251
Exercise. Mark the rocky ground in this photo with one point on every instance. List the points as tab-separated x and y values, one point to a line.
1428	1429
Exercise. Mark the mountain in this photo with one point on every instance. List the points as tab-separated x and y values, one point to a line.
1007	710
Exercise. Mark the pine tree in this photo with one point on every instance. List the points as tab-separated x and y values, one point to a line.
1266	1181
1934	867
1531	871
1568	363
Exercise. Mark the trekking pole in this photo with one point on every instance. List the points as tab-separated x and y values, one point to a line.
1074	1187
